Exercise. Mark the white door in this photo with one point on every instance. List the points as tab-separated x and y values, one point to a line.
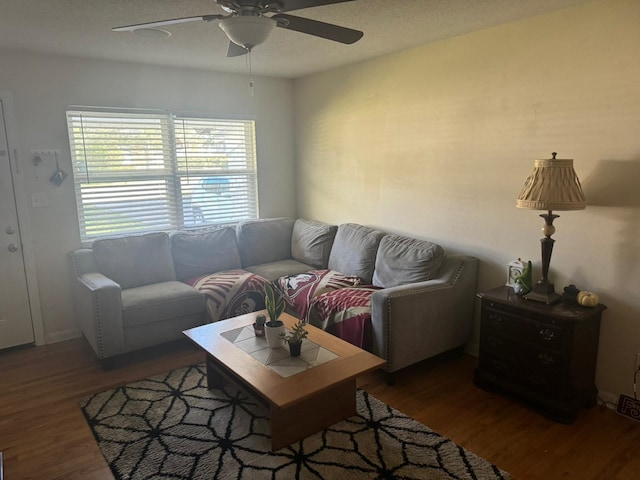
16	327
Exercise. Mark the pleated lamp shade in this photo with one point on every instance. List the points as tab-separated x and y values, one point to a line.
552	185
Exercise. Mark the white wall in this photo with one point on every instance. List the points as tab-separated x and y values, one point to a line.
437	141
43	86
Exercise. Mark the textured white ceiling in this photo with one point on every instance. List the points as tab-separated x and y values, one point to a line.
83	28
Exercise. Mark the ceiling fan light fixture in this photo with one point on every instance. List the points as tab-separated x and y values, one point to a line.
247	31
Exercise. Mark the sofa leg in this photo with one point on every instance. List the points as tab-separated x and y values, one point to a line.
391	378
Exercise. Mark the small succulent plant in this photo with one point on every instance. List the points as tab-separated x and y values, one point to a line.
298	333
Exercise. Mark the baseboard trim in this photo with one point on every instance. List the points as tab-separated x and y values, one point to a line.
472	349
62	335
610	399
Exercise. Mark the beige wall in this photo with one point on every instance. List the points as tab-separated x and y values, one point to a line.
43	86
437	141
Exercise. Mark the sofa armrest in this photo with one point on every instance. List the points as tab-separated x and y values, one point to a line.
82	261
419	320
98	306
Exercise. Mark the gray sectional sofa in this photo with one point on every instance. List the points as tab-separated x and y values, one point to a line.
409	299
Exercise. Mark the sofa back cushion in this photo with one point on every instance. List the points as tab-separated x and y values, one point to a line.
136	260
264	241
354	251
311	242
402	260
196	254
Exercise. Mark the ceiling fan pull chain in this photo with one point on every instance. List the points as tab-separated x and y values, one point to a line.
251	82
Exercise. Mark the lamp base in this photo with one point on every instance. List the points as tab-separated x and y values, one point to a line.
543	292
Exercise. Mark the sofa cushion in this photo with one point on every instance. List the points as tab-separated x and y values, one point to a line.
299	290
402	260
230	293
158	302
311	242
274	270
135	260
196	254
264	241
354	251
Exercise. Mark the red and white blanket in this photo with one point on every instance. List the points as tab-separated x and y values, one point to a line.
230	293
327	299
299	290
345	313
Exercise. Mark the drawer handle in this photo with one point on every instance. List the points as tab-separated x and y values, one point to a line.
546	358
496	318
494	342
547	334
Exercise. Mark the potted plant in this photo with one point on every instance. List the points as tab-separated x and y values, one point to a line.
294	339
275	307
258	326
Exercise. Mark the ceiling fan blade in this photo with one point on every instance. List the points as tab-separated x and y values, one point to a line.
235	50
164	23
319	29
289	5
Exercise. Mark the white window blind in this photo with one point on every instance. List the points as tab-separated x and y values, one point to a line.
136	172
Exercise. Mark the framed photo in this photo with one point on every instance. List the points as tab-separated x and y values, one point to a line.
514	270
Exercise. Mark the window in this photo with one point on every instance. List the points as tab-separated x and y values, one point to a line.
142	171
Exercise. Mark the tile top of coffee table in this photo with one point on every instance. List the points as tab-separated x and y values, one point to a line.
349	363
279	359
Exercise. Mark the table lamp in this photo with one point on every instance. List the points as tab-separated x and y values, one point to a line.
552	185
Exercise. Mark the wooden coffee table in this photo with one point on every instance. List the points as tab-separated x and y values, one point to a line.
300	404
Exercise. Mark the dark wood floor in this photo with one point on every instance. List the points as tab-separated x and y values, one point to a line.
43	434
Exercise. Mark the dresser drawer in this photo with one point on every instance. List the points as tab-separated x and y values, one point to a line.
529	356
546	335
550	384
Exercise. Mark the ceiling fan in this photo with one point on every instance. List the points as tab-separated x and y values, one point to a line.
247	25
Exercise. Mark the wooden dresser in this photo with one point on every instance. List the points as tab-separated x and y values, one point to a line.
545	354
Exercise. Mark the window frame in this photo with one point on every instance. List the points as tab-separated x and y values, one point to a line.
163	196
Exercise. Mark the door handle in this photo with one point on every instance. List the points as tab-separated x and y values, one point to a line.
13	247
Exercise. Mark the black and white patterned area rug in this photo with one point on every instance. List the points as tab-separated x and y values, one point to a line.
172	427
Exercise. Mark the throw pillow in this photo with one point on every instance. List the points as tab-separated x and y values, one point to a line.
264	241
311	242
135	260
197	254
402	260
354	250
